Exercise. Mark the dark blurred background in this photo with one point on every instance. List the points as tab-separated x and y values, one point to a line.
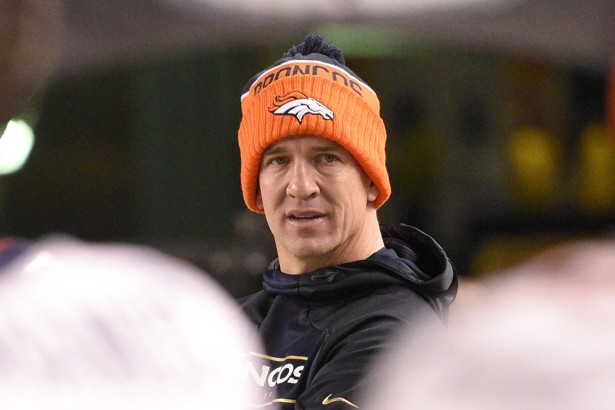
496	114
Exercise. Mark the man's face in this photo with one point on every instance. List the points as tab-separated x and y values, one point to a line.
315	197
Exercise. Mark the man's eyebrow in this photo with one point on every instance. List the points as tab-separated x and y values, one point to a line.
274	150
327	147
324	147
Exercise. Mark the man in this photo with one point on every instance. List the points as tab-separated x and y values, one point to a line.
313	161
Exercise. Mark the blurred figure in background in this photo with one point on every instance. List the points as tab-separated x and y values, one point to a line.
31	39
538	336
112	326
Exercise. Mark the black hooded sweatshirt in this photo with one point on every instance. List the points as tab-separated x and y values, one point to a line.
322	329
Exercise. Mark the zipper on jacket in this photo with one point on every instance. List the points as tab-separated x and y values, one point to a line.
327	275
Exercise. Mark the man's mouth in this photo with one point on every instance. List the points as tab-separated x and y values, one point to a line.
304	217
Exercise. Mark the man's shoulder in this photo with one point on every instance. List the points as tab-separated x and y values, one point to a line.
252	298
389	303
255	305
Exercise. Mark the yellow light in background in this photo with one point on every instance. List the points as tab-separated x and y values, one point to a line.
15	145
535	157
595	169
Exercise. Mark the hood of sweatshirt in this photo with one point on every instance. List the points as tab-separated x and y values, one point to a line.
409	258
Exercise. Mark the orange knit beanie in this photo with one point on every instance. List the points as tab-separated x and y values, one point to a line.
311	92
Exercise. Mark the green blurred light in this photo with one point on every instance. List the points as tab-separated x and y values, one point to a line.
15	145
366	40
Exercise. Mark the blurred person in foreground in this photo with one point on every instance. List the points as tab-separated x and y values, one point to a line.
313	161
88	326
538	336
113	326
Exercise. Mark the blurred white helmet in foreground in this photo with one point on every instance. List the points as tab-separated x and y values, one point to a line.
116	326
538	336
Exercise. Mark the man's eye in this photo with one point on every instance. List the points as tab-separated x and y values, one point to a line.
329	158
279	161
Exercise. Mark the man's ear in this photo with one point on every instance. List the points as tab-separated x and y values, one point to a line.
372	192
259	199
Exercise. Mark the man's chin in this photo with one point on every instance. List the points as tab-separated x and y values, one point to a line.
310	248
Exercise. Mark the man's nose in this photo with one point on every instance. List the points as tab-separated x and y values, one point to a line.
302	183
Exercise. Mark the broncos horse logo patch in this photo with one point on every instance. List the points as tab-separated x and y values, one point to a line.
298	105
